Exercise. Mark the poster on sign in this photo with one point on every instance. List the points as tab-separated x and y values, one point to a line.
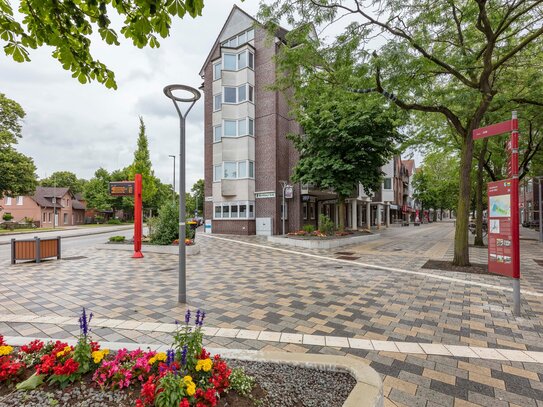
500	238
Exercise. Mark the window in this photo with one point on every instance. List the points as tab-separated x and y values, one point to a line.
49	216
234	210
8	200
239	39
65	218
217	71
44	214
217	102
242	169
250	35
217	133
312	211
238	94
251	60
388	183
242	127
238	128
217	172
251	127
229	62
242	60
19	200
304	210
230	170
251	169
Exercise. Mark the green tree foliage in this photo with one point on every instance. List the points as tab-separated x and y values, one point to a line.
17	171
447	60
96	191
167	226
199	195
142	165
64	179
164	193
68	26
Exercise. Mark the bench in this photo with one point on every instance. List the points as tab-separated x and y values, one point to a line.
35	249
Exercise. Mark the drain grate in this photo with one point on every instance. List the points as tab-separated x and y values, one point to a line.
348	257
345	253
74	258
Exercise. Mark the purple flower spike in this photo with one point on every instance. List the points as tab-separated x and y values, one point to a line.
187	317
202	318
184	355
198	317
83	322
170	355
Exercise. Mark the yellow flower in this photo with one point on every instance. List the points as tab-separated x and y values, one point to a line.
191	389
188	380
204	364
161	356
98	355
5	350
152	360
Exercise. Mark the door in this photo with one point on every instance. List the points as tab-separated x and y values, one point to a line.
264	226
56	219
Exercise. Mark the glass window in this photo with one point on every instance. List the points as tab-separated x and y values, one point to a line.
251	89
250	35
230	95
217	172
217	130
44	216
251	211
233	42
65	218
251	60
251	169
217	71
19	200
49	216
242	127
242	38
304	210
251	127
242	60
230	128
218	211
230	170
229	62
242	169
388	183
234	211
312	210
225	211
242	93
243	211
217	102
8	200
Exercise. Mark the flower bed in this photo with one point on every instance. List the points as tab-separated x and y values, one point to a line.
185	375
318	235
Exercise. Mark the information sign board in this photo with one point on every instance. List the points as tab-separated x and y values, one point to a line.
500	231
121	188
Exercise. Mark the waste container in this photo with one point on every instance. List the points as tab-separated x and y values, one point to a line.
191	229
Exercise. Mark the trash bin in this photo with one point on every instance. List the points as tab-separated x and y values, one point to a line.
191	230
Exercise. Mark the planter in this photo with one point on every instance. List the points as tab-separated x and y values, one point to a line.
322	243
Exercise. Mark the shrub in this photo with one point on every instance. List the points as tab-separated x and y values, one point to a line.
7	217
326	225
240	382
167	226
114	221
117	239
309	228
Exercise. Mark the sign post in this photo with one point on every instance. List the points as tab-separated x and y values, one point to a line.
137	218
503	212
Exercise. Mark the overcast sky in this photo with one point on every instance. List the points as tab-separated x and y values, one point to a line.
80	128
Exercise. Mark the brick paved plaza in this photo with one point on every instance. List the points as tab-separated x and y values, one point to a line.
436	337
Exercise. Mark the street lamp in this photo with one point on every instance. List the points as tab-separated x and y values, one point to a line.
173	185
540	211
288	189
192	98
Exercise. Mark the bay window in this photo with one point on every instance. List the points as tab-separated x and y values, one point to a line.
234	95
234	210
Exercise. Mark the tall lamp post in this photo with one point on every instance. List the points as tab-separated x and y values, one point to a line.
540	210
173	185
191	99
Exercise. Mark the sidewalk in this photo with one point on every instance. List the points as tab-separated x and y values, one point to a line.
63	232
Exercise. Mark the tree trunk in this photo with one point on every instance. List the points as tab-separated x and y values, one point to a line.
461	248
479	197
341	212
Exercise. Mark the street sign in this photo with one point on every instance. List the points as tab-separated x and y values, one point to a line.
500	231
289	192
493	130
121	188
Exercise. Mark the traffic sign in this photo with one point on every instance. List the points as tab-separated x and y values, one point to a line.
493	130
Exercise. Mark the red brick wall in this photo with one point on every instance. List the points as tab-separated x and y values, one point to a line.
233	227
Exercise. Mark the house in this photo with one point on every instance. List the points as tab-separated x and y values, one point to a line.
247	157
47	205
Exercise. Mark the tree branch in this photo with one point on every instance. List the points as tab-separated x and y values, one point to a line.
527	40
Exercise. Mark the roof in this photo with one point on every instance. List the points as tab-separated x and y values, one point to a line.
43	196
77	205
410	165
281	33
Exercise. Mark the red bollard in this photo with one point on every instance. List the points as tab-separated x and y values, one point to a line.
137	219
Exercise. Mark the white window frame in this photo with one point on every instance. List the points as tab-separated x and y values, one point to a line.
237	205
249	93
224	58
385	183
215	107
249	167
249	127
217	75
20	200
217	129
235	164
246	36
215	168
8	200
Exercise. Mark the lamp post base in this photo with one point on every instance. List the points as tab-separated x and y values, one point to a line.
137	255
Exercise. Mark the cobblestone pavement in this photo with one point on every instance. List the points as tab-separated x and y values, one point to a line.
246	283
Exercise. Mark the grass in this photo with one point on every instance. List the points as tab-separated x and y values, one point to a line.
7	231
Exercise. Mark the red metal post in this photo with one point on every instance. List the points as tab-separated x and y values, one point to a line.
137	218
515	214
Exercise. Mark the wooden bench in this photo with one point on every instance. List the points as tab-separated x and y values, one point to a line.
35	249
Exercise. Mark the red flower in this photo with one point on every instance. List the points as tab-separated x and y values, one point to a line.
94	346
204	354
69	367
184	403
32	347
9	369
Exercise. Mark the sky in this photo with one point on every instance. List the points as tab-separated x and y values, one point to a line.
80	128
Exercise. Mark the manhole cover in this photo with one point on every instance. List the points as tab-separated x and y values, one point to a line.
74	258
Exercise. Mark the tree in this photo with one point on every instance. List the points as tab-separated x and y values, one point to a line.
345	141
96	191
64	179
17	171
199	195
142	165
447	59
67	26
